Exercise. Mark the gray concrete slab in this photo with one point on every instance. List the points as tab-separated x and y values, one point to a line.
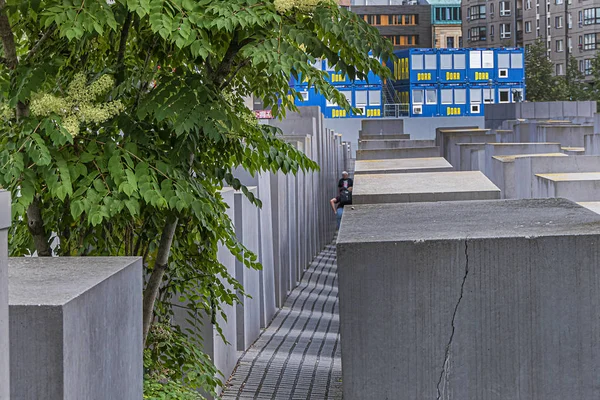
575	186
5	217
573	151
477	159
386	136
464	155
503	172
568	135
248	309
450	137
591	205
393	144
526	185
402	165
469	300
411	152
423	187
507	149
75	328
505	136
592	145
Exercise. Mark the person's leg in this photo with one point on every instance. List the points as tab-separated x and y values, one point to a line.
339	216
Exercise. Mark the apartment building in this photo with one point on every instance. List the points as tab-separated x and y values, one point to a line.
495	23
446	23
568	28
406	23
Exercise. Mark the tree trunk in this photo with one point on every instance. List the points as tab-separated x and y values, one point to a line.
158	272
36	228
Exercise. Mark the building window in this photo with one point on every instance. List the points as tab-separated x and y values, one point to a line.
492	9
372	19
516	60
478	34
591	16
431	96
528	5
430	61
460	96
504	8
492	31
481	59
374	97
517	95
587	67
417	96
403	19
304	96
503	60
558	22
488	95
476	12
446	96
580	18
504	96
360	98
570	21
559	69
590	41
403	40
559	46
559	1
475	96
527	26
504	31
450	42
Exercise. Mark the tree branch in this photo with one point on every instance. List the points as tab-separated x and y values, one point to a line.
122	47
40	42
7	37
224	68
233	75
158	272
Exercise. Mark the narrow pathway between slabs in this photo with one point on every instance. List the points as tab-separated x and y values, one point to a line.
298	355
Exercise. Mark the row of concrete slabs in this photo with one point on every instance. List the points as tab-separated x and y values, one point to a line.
448	292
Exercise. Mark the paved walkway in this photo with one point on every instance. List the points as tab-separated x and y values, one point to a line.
298	355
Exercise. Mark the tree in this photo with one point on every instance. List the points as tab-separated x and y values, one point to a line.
539	74
122	119
572	86
594	87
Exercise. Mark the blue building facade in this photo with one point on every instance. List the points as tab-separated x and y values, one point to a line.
428	83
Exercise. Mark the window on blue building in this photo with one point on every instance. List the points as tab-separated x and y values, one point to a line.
431	96
460	96
445	61
360	97
459	61
417	95
374	97
475	96
430	61
446	95
416	61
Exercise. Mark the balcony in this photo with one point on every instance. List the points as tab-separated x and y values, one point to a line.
519	36
520	13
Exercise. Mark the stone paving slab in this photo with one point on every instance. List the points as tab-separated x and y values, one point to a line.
298	355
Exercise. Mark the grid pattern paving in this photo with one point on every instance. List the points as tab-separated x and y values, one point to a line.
298	355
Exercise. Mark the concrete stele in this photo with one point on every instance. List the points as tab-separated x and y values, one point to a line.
465	150
393	144
409	152
402	165
575	186
248	309
5	216
75	328
591	205
526	169
470	300
507	149
592	145
423	187
503	172
573	151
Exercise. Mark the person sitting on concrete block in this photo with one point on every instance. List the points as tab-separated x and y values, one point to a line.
345	182
338	203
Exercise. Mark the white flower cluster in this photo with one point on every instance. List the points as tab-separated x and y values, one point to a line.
283	6
79	107
6	112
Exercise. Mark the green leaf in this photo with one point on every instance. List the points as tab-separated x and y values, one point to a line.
77	208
